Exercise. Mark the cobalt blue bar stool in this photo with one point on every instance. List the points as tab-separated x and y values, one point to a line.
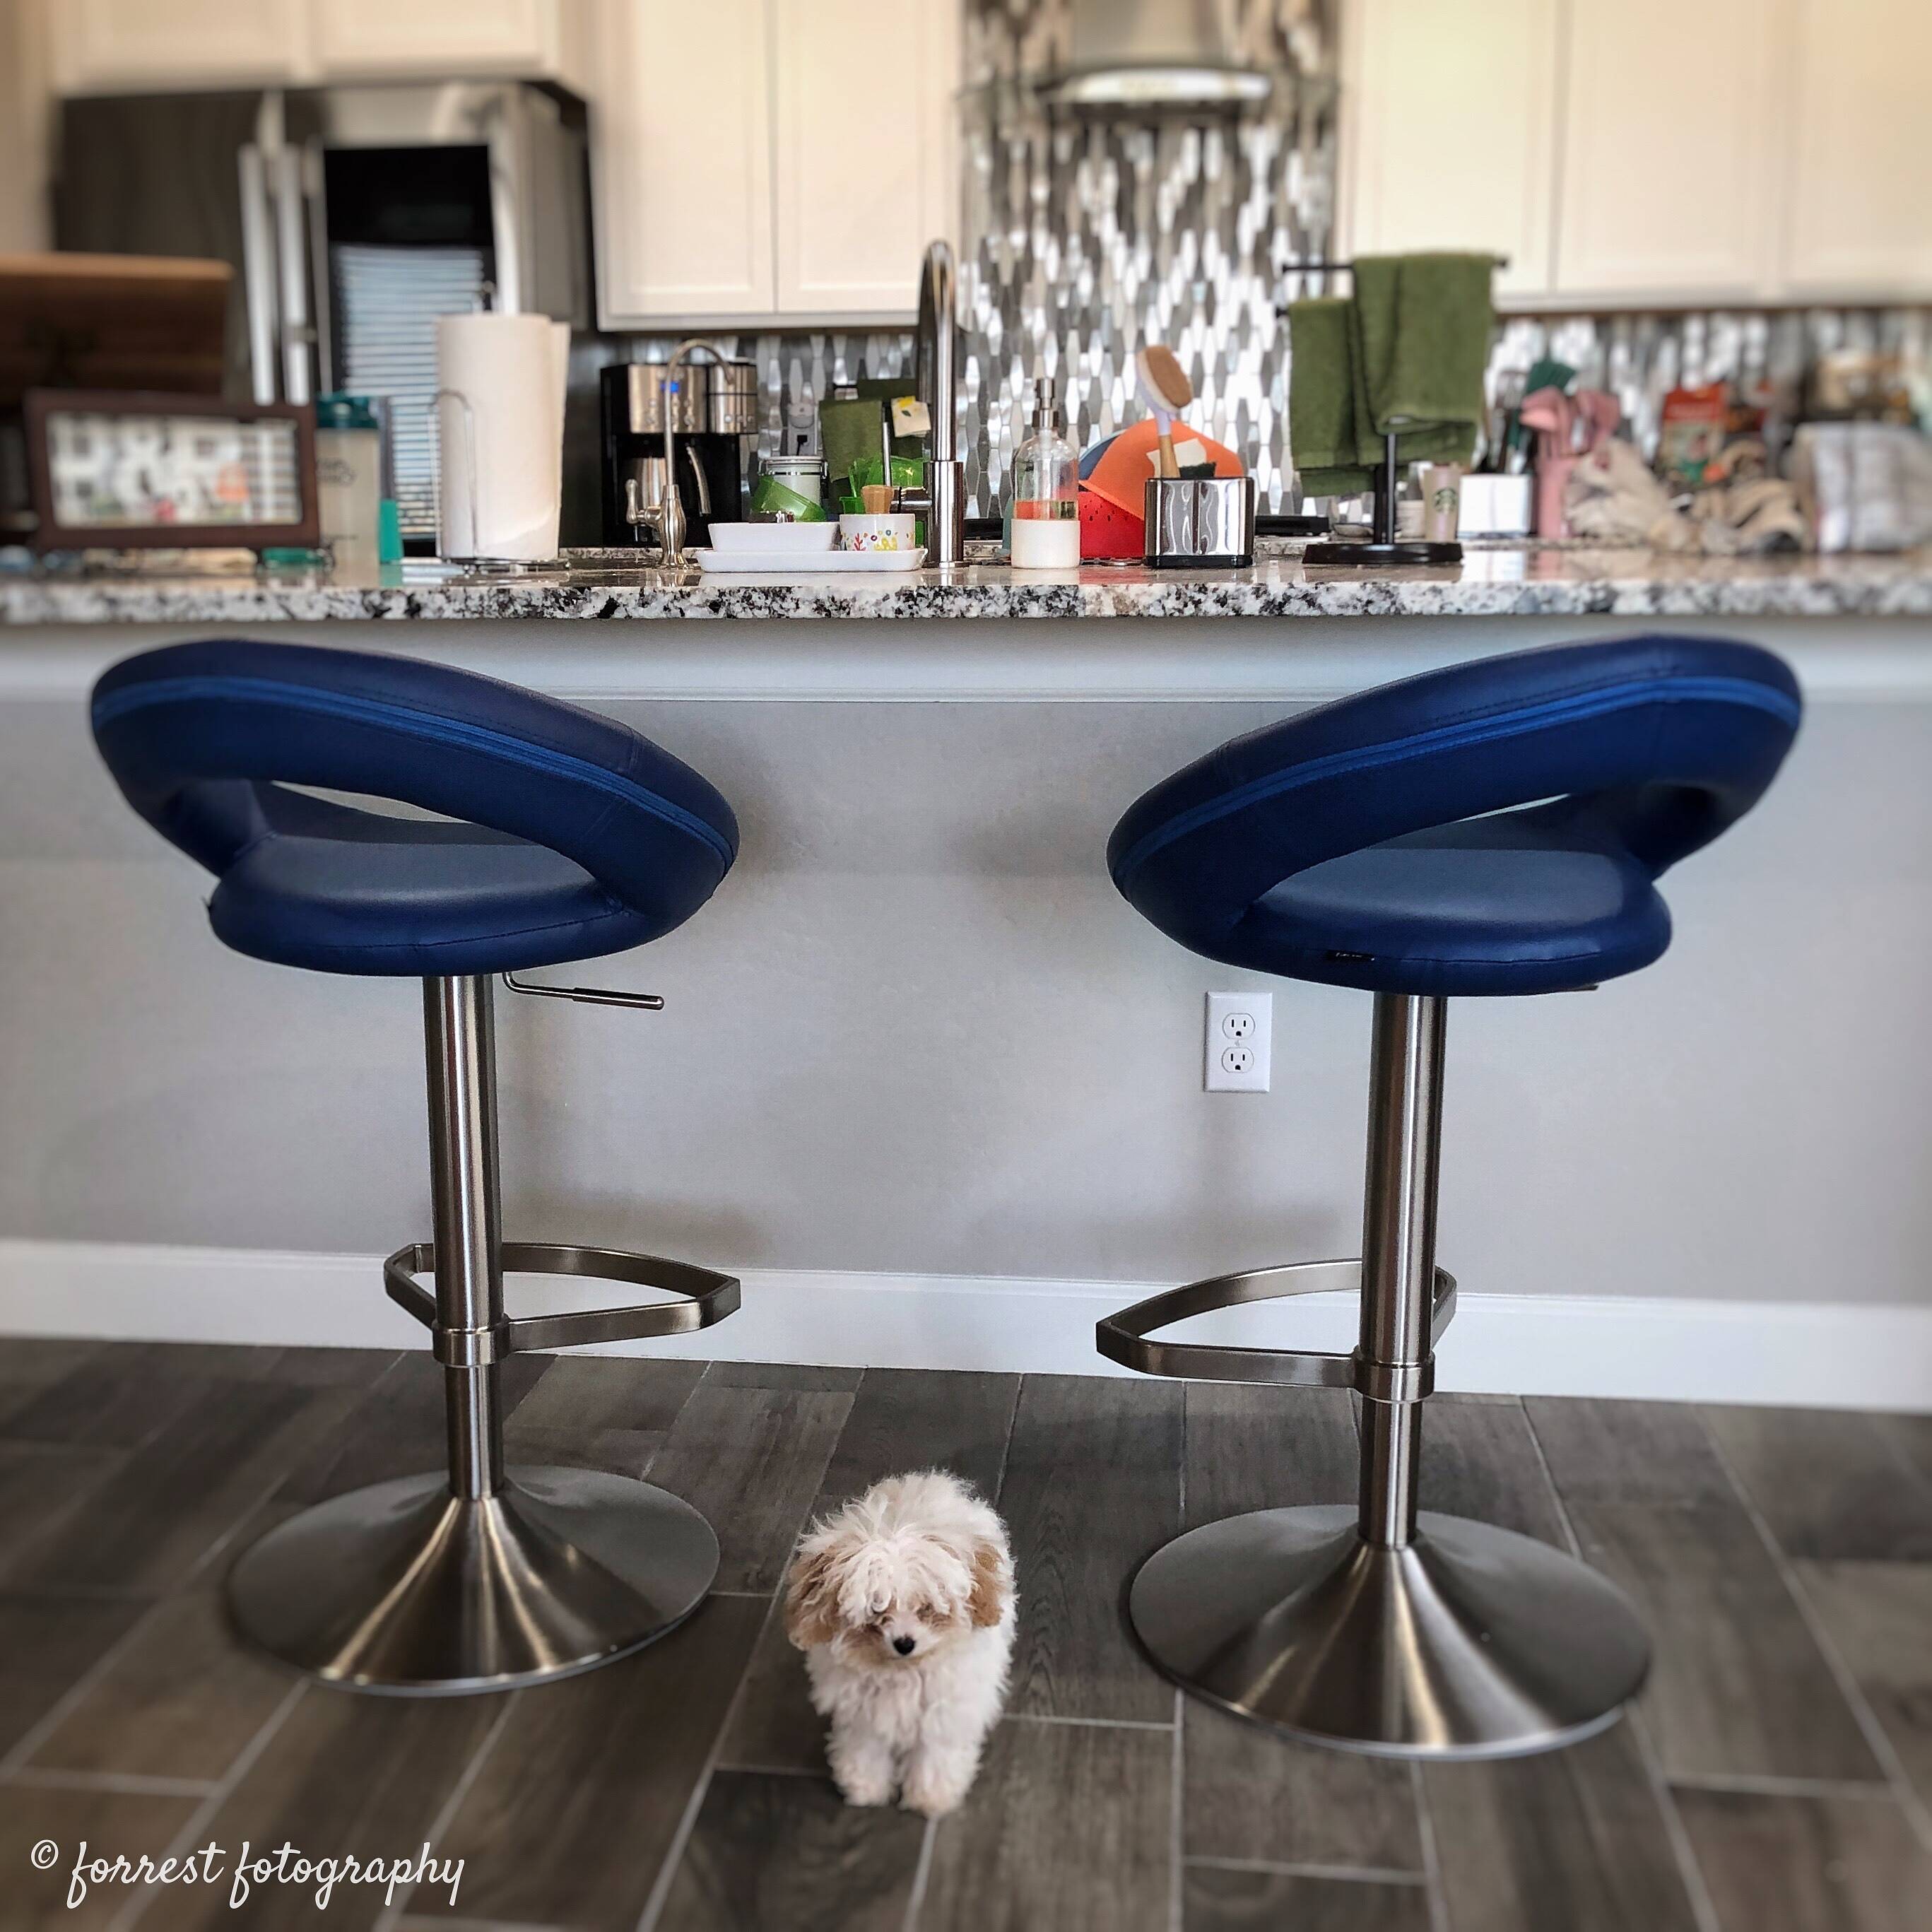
1495	828
561	835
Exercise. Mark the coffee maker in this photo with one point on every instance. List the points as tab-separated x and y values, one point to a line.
716	416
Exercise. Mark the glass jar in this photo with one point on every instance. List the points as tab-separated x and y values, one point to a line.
1046	491
348	481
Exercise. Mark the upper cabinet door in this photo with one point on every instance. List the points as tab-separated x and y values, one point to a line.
864	129
683	157
1859	184
1669	148
1449	131
150	47
445	40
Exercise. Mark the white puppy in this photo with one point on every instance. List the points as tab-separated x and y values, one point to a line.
903	1604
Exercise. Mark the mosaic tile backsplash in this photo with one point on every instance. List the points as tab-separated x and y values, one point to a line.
1081	240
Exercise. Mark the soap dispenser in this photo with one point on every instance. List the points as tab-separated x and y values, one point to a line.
1046	516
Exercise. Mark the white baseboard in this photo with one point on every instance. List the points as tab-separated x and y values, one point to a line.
1830	1355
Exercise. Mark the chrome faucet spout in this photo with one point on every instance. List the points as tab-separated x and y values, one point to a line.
937	380
669	518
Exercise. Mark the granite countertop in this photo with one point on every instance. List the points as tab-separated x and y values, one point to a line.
1494	579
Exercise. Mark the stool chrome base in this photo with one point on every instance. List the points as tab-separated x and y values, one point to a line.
1381	1628
478	1577
1472	1642
407	1588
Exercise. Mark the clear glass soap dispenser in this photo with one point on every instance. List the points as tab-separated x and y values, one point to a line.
1045	533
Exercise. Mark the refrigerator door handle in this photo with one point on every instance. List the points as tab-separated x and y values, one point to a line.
258	272
285	175
315	199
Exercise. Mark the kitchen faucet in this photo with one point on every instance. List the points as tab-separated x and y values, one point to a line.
664	519
937	380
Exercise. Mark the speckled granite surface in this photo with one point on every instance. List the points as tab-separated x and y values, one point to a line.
1521	580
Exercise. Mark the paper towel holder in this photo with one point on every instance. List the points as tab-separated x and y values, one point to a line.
495	566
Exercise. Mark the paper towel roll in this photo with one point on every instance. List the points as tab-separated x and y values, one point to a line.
512	370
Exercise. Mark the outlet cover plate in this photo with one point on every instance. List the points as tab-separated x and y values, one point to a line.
1239	1043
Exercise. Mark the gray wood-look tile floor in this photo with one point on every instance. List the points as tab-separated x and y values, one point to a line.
1776	1778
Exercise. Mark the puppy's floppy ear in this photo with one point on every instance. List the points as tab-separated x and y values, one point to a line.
992	1583
811	1613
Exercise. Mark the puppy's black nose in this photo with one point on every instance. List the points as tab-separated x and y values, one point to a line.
903	1645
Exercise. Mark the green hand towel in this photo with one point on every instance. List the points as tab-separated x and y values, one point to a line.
848	428
1422	324
1407	353
1321	397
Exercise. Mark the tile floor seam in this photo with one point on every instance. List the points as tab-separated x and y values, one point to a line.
1306	1868
132	1784
446	1812
206	1812
922	1877
1433	1889
1177	1802
63	1707
660	1886
1683	1852
1867	1791
1091	1723
1878	1741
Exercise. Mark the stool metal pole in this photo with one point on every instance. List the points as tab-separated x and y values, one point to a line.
1374	1627
477	1577
1399	1256
459	1052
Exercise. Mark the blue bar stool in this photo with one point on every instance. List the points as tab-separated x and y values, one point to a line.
1495	828
561	836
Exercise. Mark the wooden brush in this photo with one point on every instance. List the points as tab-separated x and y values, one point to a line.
1165	390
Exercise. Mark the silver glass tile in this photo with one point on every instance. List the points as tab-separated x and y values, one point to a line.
1081	240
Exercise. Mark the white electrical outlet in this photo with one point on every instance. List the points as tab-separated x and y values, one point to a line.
1239	1043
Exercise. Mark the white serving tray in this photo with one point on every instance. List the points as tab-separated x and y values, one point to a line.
808	563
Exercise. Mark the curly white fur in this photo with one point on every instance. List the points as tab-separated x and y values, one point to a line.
903	1603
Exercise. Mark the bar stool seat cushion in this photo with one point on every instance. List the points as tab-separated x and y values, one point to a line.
559	835
1494	828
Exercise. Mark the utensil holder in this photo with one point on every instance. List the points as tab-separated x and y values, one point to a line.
1192	522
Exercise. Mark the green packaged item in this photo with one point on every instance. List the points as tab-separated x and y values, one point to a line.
908	473
849	428
771	498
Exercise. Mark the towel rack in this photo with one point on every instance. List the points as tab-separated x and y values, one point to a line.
1384	548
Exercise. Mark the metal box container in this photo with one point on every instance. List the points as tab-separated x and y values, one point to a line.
1194	522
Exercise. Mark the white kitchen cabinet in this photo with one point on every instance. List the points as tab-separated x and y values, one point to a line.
150	47
863	141
771	161
1858	186
1449	136
1671	145
682	179
441	39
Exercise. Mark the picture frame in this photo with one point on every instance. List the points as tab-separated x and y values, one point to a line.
152	462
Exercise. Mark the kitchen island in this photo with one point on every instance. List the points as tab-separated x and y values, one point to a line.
923	1077
1514	580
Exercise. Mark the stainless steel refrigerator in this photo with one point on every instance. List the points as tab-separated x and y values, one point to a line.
354	216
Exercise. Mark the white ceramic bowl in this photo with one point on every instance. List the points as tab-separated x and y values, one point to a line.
805	539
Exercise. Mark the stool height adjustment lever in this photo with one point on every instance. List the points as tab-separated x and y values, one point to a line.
586	996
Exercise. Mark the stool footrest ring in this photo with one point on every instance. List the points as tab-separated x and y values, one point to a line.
705	1297
1127	1338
